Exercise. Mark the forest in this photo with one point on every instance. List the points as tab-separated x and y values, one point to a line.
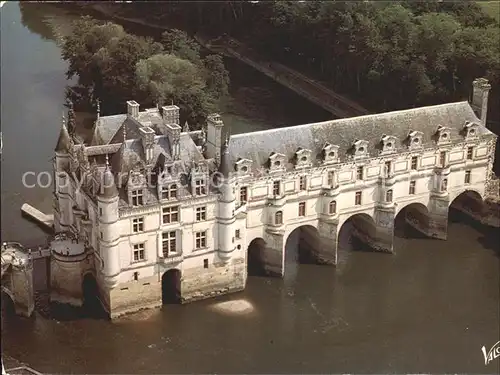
385	55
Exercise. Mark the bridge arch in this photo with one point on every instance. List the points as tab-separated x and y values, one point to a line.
301	244
354	234
255	257
171	286
8	301
411	217
465	194
469	202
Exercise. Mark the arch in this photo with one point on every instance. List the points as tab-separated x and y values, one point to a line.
412	220
8	301
255	257
355	234
171	287
469	202
301	245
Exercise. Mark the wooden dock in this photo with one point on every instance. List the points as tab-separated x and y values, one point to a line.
45	220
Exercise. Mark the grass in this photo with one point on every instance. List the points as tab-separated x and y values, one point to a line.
491	8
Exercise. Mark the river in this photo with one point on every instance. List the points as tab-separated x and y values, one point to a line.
429	307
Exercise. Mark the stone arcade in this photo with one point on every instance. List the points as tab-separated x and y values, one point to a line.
136	238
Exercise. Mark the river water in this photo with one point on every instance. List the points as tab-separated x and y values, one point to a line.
428	308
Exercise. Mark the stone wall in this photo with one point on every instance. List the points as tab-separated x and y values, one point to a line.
19	285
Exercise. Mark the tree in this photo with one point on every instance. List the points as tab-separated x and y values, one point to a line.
166	77
177	42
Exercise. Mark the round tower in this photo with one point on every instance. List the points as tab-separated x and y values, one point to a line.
227	205
109	227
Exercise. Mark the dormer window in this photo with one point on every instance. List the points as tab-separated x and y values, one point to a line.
243	166
443	134
388	144
470	130
360	148
415	140
276	162
303	157
330	153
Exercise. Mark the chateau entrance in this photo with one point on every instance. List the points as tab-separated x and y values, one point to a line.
171	287
255	255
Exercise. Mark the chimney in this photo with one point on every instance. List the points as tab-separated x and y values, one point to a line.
148	140
170	114
133	109
214	137
479	103
174	137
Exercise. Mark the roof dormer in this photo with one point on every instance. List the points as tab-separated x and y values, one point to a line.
302	158
243	167
276	162
330	153
415	140
388	144
360	149
443	135
470	130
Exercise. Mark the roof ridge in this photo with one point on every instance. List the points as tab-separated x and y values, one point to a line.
334	121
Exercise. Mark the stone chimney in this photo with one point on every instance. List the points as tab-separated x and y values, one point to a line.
170	114
215	127
479	103
148	140
174	137
133	109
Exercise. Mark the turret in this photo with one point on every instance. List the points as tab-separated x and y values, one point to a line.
479	102
215	127
109	229
227	205
62	186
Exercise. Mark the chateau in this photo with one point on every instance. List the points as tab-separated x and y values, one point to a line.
150	211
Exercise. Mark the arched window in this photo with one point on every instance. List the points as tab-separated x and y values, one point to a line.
332	207
388	195
278	218
444	185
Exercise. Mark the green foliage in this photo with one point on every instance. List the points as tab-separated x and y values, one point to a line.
115	66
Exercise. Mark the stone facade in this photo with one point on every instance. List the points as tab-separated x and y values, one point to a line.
148	200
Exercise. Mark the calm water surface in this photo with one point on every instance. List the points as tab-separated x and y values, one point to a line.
428	308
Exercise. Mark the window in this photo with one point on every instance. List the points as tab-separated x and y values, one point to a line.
302	209
470	153
414	162
100	211
278	218
467	177
201	213
388	195
442	158
444	185
169	170
243	194
168	243
359	173
139	253
302	183
136	276
169	191
332	207
237	234
388	168
331	178
170	215
412	187
357	200
205	263
138	224
276	188
201	240
137	198
102	237
200	187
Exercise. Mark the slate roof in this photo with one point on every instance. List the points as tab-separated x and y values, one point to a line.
64	140
258	146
